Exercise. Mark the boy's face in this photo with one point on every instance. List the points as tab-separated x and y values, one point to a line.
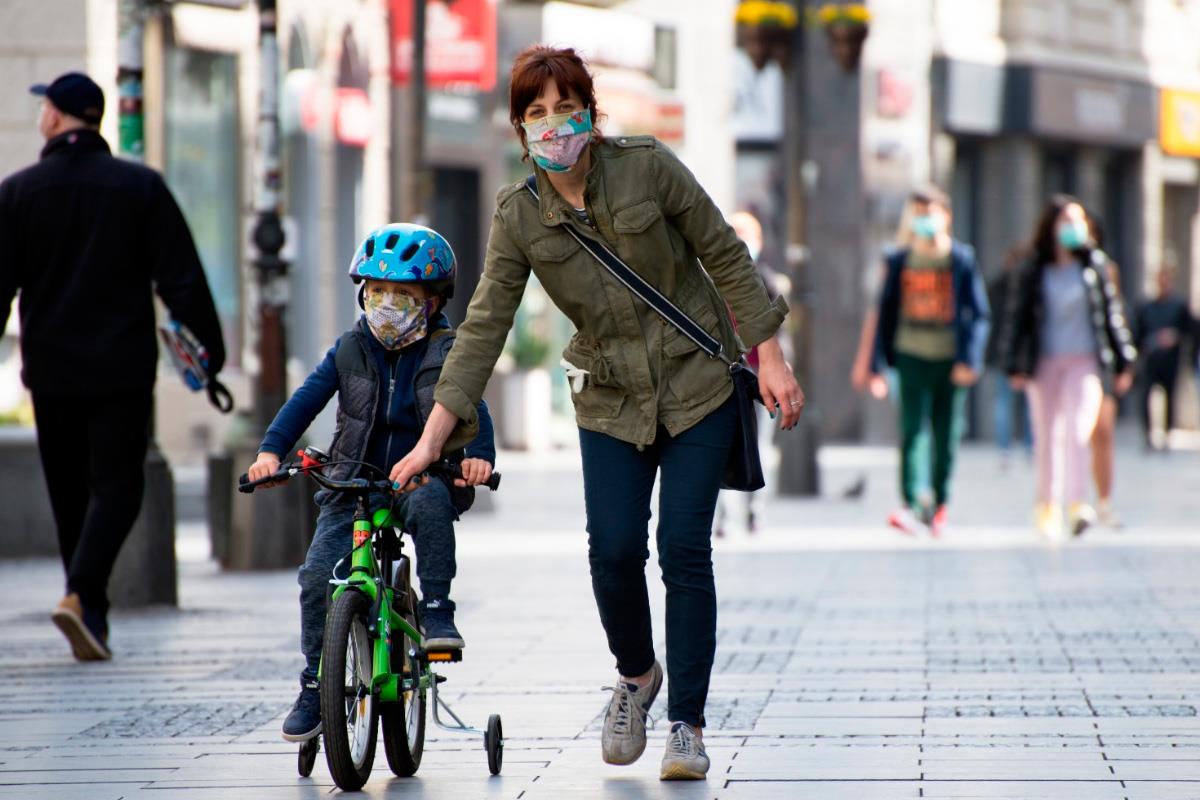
395	294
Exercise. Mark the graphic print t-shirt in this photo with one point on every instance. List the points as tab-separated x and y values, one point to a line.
926	326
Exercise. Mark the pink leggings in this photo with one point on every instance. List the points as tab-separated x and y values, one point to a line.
1064	403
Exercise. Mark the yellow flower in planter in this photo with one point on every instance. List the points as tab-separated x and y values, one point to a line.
766	13
842	14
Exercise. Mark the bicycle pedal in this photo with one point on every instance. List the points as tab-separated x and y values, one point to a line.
442	656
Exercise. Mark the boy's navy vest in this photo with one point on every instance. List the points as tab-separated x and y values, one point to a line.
358	398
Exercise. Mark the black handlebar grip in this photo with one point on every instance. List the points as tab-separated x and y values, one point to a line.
493	482
244	485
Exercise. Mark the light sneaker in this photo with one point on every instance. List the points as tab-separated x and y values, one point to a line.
938	522
1082	517
623	738
685	759
1047	518
905	521
1106	516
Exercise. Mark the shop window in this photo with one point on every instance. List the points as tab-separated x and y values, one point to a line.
201	168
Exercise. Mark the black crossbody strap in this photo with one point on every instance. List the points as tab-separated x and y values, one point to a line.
638	285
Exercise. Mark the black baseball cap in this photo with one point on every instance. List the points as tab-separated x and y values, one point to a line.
76	94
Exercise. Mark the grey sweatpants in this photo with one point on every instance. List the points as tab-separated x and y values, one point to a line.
429	518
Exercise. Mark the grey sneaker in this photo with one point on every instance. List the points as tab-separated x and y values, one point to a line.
623	739
685	759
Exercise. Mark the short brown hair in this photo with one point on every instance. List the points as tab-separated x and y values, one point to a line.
930	193
539	63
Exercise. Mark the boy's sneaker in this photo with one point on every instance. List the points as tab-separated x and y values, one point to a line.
623	738
437	625
304	720
86	629
685	759
1107	517
937	523
905	521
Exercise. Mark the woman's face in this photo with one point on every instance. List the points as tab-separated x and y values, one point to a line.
551	101
1072	214
1071	227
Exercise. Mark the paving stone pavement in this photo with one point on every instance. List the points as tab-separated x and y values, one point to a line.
850	664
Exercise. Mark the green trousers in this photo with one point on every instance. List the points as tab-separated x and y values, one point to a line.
927	393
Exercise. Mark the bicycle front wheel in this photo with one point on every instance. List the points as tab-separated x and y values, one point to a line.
349	711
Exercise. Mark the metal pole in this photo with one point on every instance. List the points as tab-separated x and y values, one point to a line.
416	178
271	384
798	472
131	125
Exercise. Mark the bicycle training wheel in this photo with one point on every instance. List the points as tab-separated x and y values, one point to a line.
307	757
403	722
349	711
493	742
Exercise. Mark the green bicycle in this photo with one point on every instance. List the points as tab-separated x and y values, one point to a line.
374	671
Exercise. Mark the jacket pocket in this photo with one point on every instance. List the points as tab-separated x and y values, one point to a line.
599	402
676	343
585	352
554	247
637	217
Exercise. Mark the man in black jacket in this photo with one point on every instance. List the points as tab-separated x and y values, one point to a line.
85	239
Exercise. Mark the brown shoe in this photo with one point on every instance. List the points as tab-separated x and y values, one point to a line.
86	645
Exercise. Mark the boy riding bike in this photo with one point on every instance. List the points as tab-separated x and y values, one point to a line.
383	371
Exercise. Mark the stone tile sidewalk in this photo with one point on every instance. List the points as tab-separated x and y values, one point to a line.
849	665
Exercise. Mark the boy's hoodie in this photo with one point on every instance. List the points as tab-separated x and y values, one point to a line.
397	426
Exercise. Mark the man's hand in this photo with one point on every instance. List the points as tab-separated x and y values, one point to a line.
962	375
265	466
778	385
409	467
475	472
878	386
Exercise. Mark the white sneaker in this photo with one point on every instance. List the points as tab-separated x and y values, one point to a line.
1106	516
1082	517
623	738
685	759
905	521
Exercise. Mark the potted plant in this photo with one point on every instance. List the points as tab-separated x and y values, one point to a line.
763	30
527	394
846	26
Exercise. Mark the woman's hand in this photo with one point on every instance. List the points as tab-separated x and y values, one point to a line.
879	387
1018	382
266	465
778	385
1123	383
412	465
475	472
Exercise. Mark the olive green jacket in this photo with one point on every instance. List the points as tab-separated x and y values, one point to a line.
648	207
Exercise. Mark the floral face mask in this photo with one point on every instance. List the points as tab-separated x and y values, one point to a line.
396	319
556	141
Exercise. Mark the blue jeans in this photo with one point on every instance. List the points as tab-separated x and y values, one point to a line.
1002	411
618	478
429	518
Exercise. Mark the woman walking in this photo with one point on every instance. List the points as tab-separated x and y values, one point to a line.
649	401
1068	343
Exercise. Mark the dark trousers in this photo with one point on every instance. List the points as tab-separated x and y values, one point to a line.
927	393
618	479
93	452
1162	369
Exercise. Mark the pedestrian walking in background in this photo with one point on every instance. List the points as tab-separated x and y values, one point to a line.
1067	340
1103	442
650	401
1162	328
932	327
85	241
1010	408
748	505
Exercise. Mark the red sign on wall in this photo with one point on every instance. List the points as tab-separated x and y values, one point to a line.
460	42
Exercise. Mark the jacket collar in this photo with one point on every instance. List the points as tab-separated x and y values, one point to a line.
552	209
80	140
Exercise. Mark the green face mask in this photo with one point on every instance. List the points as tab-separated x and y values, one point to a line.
1073	234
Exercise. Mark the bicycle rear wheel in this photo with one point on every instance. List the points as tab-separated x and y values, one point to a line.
349	711
403	722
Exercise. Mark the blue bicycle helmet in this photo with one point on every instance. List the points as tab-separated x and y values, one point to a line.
401	252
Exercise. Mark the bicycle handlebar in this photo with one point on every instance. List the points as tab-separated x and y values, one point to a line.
354	486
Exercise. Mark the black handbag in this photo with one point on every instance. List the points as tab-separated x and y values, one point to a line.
743	467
